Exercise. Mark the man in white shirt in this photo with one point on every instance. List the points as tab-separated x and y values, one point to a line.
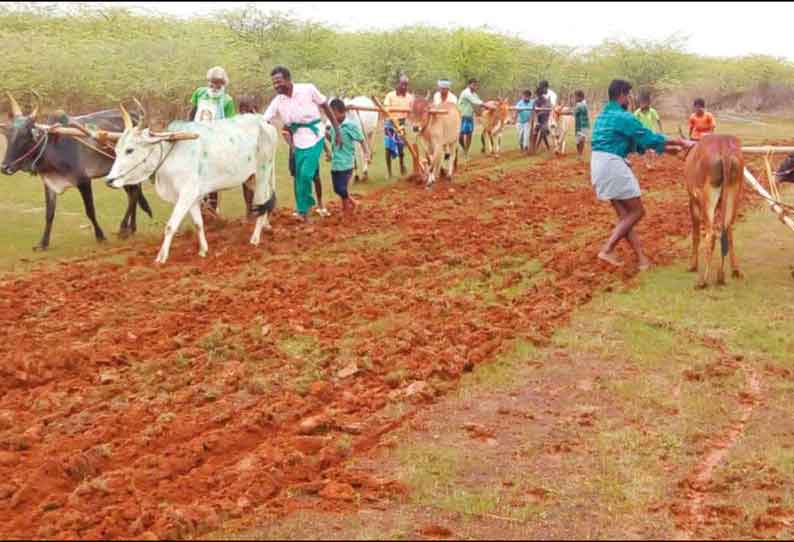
550	94
443	95
298	107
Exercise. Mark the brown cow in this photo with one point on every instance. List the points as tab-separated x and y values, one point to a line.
439	133
713	174
493	124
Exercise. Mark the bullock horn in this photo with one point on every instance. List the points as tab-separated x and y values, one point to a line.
15	109
126	117
144	116
38	103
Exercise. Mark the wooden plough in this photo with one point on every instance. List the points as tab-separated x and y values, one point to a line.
418	168
782	210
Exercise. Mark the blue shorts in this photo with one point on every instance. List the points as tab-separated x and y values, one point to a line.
392	140
466	125
340	180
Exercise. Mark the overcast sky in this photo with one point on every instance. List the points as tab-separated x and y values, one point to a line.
715	29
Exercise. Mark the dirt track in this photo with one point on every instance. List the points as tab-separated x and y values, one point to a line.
137	401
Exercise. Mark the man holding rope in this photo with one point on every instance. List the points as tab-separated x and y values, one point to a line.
616	133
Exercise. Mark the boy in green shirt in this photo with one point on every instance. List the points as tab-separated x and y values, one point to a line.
582	117
344	157
649	118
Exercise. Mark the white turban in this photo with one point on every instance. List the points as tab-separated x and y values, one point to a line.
443	83
218	73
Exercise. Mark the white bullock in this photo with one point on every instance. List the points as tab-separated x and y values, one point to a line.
227	153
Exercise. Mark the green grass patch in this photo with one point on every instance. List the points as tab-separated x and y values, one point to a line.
509	278
306	360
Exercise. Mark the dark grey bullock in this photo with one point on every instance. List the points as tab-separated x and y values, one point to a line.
63	162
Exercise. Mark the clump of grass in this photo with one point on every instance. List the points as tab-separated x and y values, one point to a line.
222	342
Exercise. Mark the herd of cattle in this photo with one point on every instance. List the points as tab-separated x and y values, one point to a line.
226	154
191	160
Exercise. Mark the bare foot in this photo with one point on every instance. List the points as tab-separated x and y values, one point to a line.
610	259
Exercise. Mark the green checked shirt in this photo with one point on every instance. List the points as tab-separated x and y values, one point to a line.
617	131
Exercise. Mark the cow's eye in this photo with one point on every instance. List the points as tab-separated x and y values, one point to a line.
129	151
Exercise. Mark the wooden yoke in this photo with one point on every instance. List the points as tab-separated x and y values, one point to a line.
392	109
417	164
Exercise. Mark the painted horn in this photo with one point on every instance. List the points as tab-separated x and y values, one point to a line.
38	103
126	116
15	109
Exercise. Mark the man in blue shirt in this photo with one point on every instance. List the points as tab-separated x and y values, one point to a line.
524	106
616	133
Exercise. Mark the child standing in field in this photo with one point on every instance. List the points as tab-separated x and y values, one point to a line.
523	115
649	118
581	116
701	122
344	156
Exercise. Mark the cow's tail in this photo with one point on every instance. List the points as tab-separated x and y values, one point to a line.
270	181
144	204
726	178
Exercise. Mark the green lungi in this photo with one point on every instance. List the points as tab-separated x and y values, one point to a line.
306	163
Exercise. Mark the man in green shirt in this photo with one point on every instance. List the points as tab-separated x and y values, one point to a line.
467	102
212	103
344	157
649	118
616	133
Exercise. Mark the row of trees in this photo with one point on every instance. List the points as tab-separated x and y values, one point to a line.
79	58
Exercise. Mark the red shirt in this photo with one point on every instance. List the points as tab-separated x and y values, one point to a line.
700	126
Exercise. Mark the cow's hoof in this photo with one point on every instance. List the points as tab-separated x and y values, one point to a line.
692	269
700	286
125	233
737	274
202	253
40	247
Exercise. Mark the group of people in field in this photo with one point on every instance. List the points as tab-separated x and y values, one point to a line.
615	133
